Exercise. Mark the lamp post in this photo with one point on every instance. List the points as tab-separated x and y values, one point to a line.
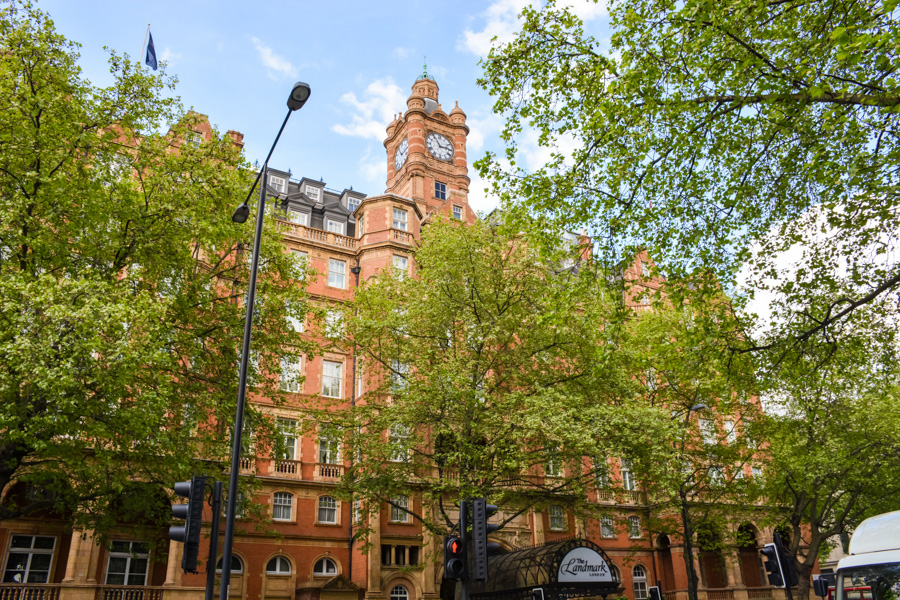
299	96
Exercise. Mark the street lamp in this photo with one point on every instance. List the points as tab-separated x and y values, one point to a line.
694	408
299	96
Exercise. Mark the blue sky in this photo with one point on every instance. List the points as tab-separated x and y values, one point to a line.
236	63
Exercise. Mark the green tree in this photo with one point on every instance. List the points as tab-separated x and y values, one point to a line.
719	135
493	371
833	439
683	351
121	279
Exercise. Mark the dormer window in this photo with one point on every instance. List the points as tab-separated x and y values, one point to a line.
300	218
312	193
335	226
352	203
277	183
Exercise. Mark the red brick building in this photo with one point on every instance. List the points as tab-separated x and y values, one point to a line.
348	236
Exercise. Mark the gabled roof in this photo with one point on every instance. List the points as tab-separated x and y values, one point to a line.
334	204
300	198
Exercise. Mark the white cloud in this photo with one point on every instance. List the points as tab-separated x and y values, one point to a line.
481	128
370	117
401	52
274	63
502	22
535	155
168	56
373	167
586	10
480	200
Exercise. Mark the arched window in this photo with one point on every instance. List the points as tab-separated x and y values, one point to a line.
237	566
615	572
327	509
639	579
282	503
279	565
325	566
399	592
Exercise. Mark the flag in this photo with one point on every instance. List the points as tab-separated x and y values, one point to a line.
150	60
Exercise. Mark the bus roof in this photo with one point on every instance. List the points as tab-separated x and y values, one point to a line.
877	534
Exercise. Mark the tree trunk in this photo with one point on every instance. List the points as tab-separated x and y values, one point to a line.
688	536
804	574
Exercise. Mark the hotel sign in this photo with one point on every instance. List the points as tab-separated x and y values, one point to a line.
583	565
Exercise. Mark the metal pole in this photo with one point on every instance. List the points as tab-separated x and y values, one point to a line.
143	45
784	570
353	385
266	164
242	385
213	541
464	540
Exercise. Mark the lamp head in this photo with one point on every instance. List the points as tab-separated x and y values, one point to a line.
697	407
299	96
241	213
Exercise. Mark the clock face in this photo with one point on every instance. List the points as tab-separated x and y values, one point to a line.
439	146
400	155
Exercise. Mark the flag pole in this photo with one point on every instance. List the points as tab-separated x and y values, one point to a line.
143	47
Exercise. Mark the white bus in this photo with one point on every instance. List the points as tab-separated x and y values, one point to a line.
873	568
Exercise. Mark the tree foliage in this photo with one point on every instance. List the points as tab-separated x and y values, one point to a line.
683	350
719	135
493	371
121	279
833	436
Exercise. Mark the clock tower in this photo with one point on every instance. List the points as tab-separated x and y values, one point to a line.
426	153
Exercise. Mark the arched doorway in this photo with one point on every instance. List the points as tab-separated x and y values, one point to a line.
712	563
748	556
667	569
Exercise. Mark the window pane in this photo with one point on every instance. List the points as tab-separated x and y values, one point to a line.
399	593
236	565
44	543
331	379
15	567
399	219
336	271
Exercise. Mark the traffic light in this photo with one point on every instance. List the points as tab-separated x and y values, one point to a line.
772	565
481	512
788	569
454	558
192	513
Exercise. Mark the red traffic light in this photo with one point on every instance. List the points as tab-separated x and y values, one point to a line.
454	558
